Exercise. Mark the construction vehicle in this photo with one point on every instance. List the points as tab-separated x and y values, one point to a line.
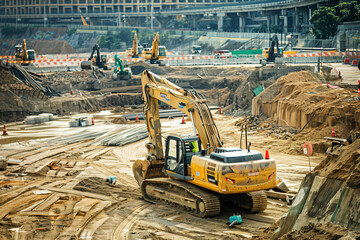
98	60
196	170
137	50
24	54
271	53
120	72
157	53
196	49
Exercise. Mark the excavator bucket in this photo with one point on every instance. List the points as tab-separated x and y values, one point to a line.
143	169
86	65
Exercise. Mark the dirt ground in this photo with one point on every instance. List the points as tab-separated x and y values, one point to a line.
79	202
55	185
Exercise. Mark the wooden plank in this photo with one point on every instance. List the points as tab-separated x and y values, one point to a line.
20	201
16	192
80	193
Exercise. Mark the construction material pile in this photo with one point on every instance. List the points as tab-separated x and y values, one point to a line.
122	135
329	194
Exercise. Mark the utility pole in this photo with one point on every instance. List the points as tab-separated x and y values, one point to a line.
151	15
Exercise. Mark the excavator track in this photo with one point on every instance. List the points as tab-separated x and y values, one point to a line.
252	202
195	200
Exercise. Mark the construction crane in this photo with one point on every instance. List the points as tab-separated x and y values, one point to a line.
24	54
195	171
157	53
120	72
98	60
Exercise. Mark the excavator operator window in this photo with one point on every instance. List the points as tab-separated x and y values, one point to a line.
174	156
162	52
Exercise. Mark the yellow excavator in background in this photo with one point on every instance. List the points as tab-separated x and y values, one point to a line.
24	54
137	50
196	170
157	53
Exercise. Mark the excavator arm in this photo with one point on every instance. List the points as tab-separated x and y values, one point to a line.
155	47
135	46
190	103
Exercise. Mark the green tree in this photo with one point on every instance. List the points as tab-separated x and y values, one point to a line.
348	11
324	22
276	28
262	28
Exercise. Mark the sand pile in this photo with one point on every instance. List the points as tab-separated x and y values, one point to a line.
241	95
298	100
331	193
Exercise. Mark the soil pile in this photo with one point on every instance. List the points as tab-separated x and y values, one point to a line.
299	100
327	231
329	194
240	99
16	98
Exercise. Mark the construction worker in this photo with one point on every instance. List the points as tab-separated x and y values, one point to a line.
194	146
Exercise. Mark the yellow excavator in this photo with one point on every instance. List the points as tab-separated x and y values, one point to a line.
24	54
136	50
196	171
156	54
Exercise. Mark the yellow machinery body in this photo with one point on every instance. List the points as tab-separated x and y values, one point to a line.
196	170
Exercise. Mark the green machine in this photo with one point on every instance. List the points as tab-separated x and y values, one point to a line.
120	72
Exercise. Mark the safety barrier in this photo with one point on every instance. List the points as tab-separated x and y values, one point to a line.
64	63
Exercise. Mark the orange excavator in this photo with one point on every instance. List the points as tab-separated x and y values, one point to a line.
195	171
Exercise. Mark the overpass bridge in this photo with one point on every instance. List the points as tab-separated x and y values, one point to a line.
293	15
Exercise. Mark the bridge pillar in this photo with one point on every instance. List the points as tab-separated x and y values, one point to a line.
220	18
242	21
296	20
285	17
193	20
163	20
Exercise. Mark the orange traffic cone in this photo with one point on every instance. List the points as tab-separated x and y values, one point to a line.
219	110
137	118
267	155
4	131
72	92
92	121
183	120
333	133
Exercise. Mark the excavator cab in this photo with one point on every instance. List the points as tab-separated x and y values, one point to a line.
18	52
178	154
30	55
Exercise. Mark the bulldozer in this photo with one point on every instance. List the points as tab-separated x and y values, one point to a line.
24	54
120	72
195	171
97	61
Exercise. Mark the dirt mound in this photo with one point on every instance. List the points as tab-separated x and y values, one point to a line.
50	46
99	186
120	120
299	100
331	193
139	67
343	164
241	95
327	231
